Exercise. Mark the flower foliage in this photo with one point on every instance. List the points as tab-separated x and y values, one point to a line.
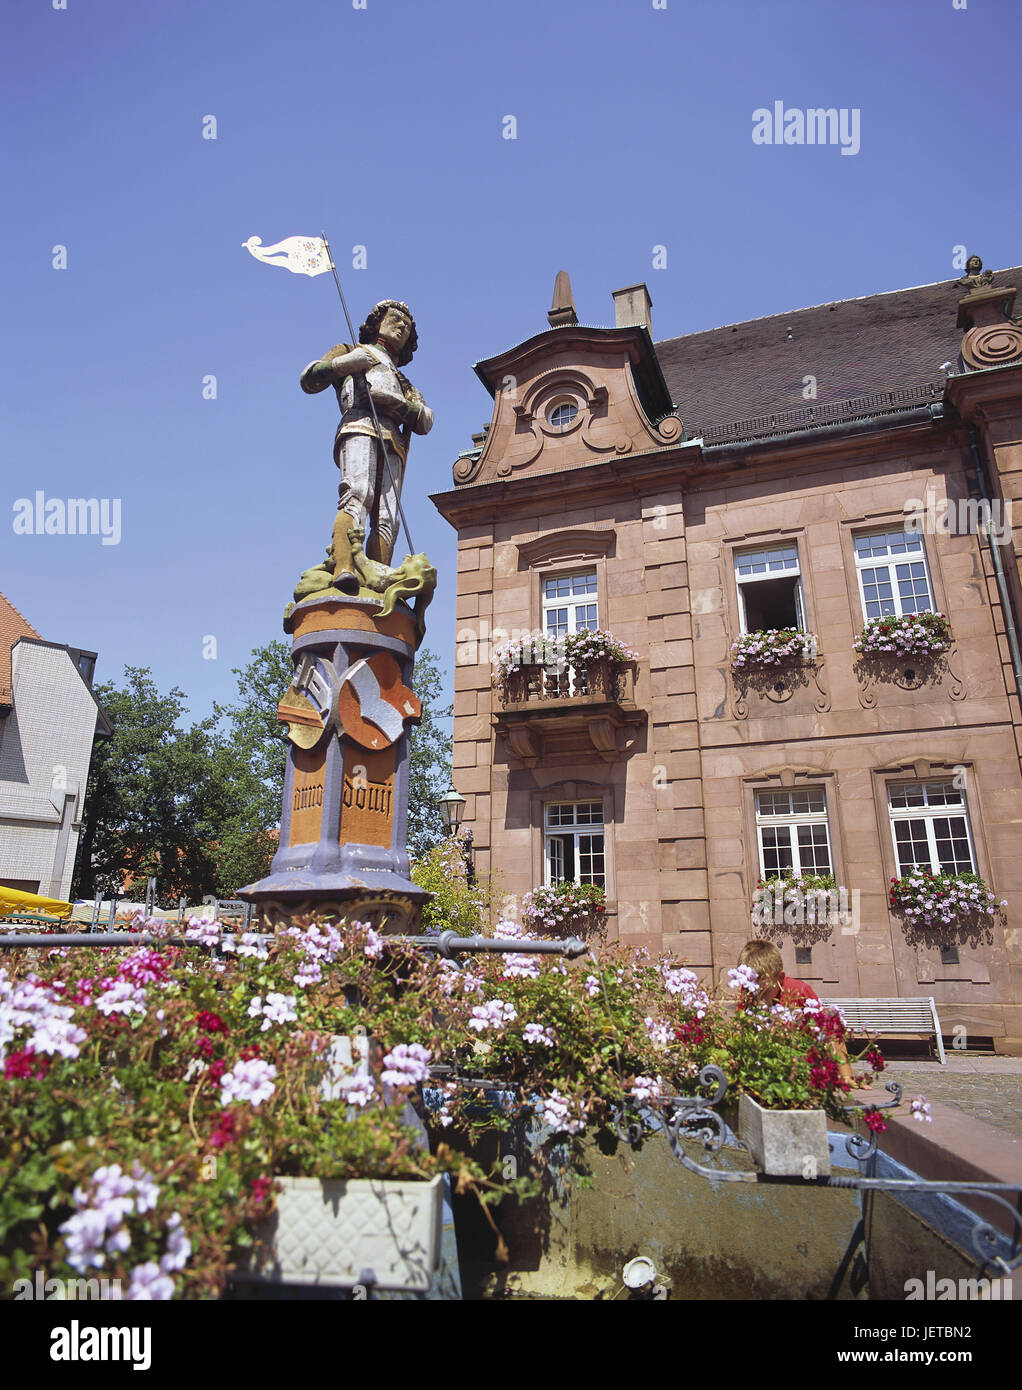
809	900
805	883
563	909
145	1141
456	905
911	634
785	1057
935	900
919	1109
755	650
575	649
584	647
530	649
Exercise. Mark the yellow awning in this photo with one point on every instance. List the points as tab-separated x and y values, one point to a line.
13	900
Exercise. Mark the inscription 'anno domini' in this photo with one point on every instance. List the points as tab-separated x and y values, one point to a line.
311	795
367	796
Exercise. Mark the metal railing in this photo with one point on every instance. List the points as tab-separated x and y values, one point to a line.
447	944
696	1117
596	682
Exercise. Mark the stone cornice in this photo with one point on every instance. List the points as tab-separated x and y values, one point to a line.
970	393
688	466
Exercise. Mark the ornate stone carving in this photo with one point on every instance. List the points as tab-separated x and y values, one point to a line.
544	718
993	337
779	684
611	375
670	429
907	673
993	345
975	277
530	414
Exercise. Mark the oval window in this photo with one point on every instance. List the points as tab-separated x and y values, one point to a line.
562	414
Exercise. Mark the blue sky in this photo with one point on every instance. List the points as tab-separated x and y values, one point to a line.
384	126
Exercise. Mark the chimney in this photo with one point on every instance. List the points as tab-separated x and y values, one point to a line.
632	306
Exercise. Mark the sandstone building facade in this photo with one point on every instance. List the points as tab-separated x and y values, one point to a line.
807	471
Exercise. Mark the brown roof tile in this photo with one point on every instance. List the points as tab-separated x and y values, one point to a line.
854	348
12	626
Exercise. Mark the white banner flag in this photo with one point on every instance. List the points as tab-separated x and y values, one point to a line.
302	255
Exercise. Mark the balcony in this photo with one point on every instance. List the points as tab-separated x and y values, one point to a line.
563	713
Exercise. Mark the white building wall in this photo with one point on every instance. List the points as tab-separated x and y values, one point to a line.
45	750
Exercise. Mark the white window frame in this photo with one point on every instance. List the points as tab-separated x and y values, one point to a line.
792	820
576	830
567	683
572	602
780	570
928	813
890	563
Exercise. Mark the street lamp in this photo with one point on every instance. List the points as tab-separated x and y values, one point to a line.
452	807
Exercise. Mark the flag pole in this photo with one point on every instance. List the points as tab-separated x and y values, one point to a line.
372	408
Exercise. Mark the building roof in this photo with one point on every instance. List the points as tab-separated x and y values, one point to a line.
744	380
12	626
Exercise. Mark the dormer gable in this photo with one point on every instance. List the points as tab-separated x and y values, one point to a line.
570	396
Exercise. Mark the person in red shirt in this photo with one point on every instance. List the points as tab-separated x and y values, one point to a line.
777	987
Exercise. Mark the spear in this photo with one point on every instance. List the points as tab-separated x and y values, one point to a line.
372	408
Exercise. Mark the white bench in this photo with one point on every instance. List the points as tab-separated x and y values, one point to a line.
890	1016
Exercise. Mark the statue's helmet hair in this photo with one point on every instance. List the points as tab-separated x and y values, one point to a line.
974	260
369	331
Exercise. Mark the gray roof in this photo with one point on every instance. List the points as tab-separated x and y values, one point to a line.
731	382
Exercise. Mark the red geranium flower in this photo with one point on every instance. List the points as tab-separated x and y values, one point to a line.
261	1188
224	1133
20	1066
211	1023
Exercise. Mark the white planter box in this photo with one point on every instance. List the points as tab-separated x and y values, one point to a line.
785	1143
341	1233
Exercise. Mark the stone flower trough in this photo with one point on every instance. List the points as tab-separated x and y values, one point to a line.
785	1143
334	1233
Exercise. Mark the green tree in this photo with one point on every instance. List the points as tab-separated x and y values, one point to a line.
259	742
149	800
456	904
251	760
254	732
429	759
198	807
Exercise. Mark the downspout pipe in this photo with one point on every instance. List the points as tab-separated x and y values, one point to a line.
1010	622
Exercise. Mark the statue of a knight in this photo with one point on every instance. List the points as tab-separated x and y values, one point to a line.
370	486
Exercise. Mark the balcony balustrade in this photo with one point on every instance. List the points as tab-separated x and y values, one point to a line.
562	713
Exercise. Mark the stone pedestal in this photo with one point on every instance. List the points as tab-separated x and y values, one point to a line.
344	819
